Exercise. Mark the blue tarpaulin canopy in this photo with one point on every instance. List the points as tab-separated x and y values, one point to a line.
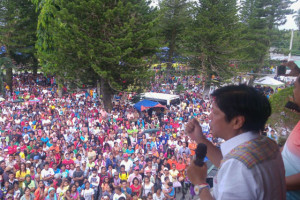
146	104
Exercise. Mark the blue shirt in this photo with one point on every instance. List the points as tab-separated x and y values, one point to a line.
27	127
129	151
57	171
65	173
49	144
45	140
164	139
128	190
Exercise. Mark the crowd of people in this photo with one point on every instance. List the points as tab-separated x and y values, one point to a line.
69	147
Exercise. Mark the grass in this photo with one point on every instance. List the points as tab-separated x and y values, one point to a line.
282	118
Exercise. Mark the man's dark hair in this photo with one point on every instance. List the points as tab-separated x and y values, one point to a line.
244	101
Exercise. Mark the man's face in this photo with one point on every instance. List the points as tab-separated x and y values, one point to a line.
219	125
3	165
11	158
11	176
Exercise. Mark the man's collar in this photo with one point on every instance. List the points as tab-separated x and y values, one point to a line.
230	144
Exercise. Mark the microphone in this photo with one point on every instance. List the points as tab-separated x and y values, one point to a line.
201	152
292	106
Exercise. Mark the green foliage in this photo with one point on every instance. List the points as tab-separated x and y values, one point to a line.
212	39
18	21
6	64
282	42
282	117
174	17
85	40
179	88
259	19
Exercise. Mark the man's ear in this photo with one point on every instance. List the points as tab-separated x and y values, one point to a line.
238	122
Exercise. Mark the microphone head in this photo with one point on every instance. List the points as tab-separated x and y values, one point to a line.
201	152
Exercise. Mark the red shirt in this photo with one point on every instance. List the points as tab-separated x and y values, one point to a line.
24	147
12	149
17	166
68	163
136	189
57	158
101	139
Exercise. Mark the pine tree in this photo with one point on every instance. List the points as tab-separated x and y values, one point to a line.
260	18
18	21
98	40
213	37
173	21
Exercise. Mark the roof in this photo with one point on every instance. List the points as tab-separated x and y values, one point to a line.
161	96
268	81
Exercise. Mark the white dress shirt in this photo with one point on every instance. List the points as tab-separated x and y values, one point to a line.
235	181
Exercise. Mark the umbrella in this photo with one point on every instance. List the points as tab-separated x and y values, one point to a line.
18	101
146	104
151	130
34	100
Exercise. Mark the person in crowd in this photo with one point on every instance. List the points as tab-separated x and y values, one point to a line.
27	194
28	183
88	192
136	187
51	194
158	195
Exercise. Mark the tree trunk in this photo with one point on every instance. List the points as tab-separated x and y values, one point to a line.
9	77
257	71
34	69
2	89
60	85
59	90
207	83
98	89
106	93
171	50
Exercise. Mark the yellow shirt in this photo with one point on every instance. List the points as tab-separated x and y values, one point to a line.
123	176
22	175
174	174
22	155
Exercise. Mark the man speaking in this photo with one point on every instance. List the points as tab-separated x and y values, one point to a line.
250	165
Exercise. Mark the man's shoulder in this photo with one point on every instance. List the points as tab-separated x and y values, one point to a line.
253	152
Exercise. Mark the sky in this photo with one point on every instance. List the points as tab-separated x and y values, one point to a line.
290	24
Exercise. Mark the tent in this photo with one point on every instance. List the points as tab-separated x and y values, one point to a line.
269	81
146	104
